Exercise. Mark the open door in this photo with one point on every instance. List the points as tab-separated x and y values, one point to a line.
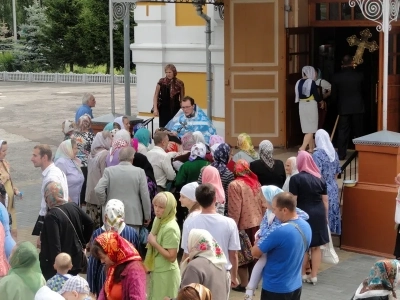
298	55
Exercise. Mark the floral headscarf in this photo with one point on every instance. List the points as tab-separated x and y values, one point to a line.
114	215
246	145
143	136
84	123
216	139
203	292
54	194
221	158
198	150
188	141
202	244
68	126
211	175
119	251
266	151
242	172
65	151
381	277
306	163
137	127
102	141
168	216
175	85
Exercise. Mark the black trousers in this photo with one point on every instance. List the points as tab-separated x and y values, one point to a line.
396	251
347	124
83	190
295	295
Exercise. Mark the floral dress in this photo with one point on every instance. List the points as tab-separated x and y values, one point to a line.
84	141
328	171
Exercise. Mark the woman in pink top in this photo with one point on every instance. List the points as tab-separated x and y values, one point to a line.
4	266
211	175
246	207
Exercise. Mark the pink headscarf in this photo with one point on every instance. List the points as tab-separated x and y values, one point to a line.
211	175
306	163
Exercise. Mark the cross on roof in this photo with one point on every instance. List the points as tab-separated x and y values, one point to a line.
362	44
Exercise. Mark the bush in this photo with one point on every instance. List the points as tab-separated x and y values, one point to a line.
7	62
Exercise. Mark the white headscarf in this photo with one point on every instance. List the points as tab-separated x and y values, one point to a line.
322	141
189	191
293	164
123	134
120	122
198	150
309	73
199	137
114	215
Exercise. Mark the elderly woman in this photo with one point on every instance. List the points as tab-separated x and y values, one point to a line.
66	228
188	199
96	165
143	138
84	139
246	151
66	160
114	215
121	140
68	128
190	170
290	170
126	275
327	160
205	264
168	96
269	171
246	208
24	278
122	123
11	190
381	283
188	140
307	95
309	188
211	175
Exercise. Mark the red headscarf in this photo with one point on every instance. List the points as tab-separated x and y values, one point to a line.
119	251
242	172
305	163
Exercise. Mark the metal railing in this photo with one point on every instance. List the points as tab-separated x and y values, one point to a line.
349	174
64	78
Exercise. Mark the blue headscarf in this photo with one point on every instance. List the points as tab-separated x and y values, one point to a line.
143	136
221	158
109	127
270	191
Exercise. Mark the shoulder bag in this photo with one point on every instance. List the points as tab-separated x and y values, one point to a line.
84	259
329	255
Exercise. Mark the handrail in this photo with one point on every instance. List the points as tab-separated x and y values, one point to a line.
349	160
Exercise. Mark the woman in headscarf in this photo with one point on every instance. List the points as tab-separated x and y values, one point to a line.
246	208
246	151
84	139
290	170
142	162
143	137
68	128
327	160
122	123
309	188
24	278
307	95
121	140
205	264
11	190
4	266
268	224
109	127
190	170
381	283
168	96
96	165
66	228
8	242
114	214
126	275
188	199
188	140
269	171
66	160
194	291
324	90
211	175
216	139
162	249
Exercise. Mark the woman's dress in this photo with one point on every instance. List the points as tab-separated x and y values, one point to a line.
309	190
308	108
328	171
168	106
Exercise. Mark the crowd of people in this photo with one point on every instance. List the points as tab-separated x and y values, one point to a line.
109	209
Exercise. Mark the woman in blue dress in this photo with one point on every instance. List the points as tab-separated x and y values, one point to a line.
326	158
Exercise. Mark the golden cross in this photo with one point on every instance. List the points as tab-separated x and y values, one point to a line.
362	44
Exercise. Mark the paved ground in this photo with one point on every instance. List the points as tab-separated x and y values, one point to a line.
33	113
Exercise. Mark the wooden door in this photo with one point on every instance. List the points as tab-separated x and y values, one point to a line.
254	47
298	45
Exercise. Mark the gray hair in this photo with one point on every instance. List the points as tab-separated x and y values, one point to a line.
86	98
127	154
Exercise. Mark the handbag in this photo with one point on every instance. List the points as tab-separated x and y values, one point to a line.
84	258
329	255
244	255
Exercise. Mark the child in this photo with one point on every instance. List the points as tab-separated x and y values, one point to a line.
62	265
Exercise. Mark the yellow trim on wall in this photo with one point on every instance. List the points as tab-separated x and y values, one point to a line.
147	4
185	15
218	119
145	114
195	86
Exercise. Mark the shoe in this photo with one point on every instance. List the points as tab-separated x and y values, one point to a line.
248	297
305	278
239	288
312	280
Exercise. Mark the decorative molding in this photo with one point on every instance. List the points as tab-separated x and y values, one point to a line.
275	74
220	9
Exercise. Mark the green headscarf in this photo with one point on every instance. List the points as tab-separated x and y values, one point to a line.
24	263
143	136
168	215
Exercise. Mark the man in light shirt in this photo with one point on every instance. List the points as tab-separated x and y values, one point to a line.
161	161
42	158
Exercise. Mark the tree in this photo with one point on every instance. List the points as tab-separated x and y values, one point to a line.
61	33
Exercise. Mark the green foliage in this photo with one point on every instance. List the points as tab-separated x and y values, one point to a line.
7	61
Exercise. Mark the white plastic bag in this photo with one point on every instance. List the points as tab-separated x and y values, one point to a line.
329	255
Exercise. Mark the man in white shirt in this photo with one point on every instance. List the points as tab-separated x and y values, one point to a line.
223	229
42	158
160	160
